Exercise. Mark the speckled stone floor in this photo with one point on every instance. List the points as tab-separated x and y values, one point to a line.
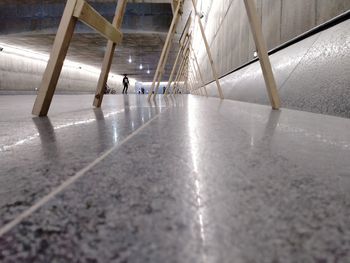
189	179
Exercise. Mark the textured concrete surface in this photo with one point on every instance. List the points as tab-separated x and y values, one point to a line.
204	181
33	25
312	75
44	16
229	34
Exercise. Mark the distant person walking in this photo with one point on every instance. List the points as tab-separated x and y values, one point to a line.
126	84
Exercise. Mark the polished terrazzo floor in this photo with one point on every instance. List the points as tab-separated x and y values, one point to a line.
188	179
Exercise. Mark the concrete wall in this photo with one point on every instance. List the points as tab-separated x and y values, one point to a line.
311	75
228	31
21	70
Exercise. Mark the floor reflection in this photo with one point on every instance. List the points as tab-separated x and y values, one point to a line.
47	137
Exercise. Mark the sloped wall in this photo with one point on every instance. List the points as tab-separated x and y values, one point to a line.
228	32
311	75
24	73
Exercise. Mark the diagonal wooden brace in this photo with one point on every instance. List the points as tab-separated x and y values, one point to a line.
74	10
108	58
85	13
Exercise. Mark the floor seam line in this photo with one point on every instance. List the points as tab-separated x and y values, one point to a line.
41	202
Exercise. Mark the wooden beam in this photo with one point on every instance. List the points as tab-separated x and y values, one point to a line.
187	26
168	39
180	53
108	58
179	72
263	55
173	71
213	68
194	71
84	12
199	70
55	63
184	40
162	68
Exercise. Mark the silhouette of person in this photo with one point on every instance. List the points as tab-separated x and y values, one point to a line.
125	84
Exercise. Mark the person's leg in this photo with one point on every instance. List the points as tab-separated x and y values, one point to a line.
126	89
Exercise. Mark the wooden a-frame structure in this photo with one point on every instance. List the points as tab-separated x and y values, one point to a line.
80	10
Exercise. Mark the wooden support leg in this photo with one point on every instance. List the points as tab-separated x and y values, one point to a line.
199	70
173	71
158	83
167	41
195	73
191	76
186	84
161	71
108	58
180	54
263	54
183	63
184	69
55	63
178	74
213	68
174	68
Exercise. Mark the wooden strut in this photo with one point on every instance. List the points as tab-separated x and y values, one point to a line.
213	68
181	76
74	10
196	74
179	73
108	58
180	53
196	87
163	56
192	74
265	63
161	72
173	70
199	70
184	75
183	41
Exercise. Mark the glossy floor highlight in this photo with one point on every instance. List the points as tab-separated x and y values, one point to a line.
189	179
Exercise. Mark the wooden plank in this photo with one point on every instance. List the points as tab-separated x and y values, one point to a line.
180	53
55	63
162	68
199	70
168	39
213	67
108	58
186	29
260	44
174	4
88	15
179	72
194	70
173	71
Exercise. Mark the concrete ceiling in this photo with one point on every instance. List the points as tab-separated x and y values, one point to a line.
32	24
